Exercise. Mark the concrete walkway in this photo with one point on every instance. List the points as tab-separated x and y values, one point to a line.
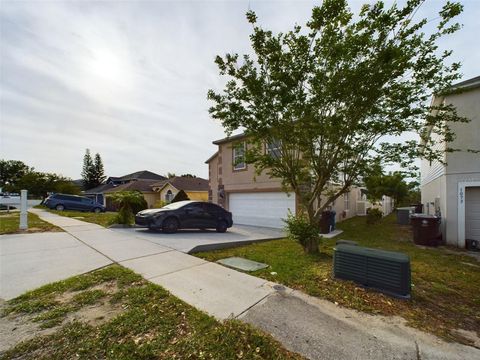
312	327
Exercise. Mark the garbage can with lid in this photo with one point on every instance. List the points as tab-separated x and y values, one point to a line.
327	221
426	229
418	208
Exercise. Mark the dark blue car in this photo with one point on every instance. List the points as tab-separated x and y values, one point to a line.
72	202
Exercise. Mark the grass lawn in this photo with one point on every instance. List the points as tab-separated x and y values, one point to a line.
104	219
445	286
9	223
114	313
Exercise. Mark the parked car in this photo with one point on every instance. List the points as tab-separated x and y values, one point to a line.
72	202
185	215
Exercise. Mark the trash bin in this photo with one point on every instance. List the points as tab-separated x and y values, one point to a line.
426	229
403	215
418	208
327	221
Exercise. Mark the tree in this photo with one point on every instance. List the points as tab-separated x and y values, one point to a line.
39	184
10	172
327	96
88	171
171	175
392	185
188	176
129	203
99	172
93	173
181	196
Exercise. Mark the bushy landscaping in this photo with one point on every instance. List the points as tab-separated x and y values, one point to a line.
445	283
9	223
138	320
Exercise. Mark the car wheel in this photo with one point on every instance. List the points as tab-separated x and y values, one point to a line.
222	226
60	207
97	210
170	225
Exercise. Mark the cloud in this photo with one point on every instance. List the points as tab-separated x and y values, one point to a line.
129	79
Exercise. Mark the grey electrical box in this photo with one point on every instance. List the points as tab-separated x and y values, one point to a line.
386	271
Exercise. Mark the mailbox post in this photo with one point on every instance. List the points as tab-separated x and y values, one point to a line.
23	210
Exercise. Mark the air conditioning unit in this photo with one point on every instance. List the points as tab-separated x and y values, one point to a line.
385	271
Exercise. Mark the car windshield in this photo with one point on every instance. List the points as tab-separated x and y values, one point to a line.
176	205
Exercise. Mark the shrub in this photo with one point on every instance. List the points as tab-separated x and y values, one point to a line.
181	196
374	216
300	229
159	204
129	203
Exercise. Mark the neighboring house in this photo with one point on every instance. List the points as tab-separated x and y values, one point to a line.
142	185
259	199
139	175
98	193
195	188
452	189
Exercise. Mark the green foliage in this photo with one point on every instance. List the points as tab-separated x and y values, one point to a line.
159	204
181	196
129	203
93	173
10	172
299	228
39	184
392	184
374	216
330	94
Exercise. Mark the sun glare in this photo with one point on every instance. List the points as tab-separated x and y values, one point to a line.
107	65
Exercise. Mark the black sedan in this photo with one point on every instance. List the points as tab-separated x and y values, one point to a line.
185	215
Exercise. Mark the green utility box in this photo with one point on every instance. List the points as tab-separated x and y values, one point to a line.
386	271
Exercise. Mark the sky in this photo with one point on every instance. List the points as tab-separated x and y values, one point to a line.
129	79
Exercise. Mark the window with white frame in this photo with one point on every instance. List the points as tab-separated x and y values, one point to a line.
239	156
274	149
346	201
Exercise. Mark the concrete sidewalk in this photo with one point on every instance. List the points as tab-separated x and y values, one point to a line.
312	327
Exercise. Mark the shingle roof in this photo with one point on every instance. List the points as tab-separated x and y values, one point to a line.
211	158
230	138
144	174
143	185
99	189
185	183
470	83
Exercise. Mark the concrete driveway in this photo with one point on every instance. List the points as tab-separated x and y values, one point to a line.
191	241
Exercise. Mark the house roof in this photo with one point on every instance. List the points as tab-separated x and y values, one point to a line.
143	174
184	183
230	138
468	84
143	185
211	158
99	189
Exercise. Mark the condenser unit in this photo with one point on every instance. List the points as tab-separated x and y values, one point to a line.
386	271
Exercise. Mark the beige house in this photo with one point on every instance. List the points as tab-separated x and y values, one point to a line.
452	190
259	199
195	188
142	185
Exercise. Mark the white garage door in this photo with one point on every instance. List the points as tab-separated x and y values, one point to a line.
261	209
472	213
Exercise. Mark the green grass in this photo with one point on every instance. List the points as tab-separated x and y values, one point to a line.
151	324
9	223
445	293
104	219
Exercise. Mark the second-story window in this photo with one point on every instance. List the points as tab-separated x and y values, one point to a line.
239	156
274	149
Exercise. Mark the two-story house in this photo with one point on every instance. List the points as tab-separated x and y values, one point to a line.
259	199
451	188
